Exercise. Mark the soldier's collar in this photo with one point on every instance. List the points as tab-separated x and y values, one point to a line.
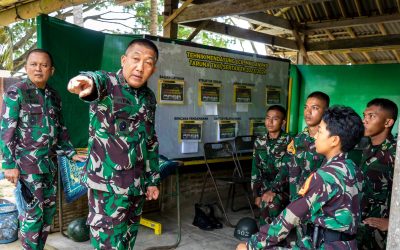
339	157
279	136
388	142
33	86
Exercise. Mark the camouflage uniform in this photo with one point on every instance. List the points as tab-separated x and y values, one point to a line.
270	173
377	165
304	161
31	131
330	199
123	158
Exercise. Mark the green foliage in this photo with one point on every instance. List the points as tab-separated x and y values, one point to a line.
141	11
21	32
20	37
5	49
205	38
15	40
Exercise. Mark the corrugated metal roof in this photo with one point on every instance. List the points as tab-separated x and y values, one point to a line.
334	11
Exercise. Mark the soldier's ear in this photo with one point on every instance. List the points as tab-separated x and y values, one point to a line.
335	141
52	71
123	60
283	124
389	123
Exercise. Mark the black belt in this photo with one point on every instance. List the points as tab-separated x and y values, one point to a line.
324	235
331	235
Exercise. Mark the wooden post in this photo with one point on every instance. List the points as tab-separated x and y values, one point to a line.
170	30
393	241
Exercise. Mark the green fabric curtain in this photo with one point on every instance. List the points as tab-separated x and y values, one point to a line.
350	85
74	49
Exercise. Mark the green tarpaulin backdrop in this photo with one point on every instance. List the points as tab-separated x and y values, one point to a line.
351	85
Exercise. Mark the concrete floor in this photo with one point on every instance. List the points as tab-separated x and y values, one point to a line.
193	238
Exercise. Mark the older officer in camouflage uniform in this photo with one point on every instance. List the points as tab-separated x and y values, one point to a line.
123	149
330	196
269	176
31	131
377	165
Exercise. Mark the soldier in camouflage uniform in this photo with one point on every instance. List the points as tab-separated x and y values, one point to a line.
269	175
330	196
377	165
123	165
31	132
304	158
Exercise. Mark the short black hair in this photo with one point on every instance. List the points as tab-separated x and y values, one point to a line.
321	96
40	51
345	123
145	42
386	105
278	108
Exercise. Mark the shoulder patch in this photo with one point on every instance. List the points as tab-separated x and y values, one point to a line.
290	148
304	189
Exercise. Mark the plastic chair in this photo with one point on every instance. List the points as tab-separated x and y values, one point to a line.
242	145
224	151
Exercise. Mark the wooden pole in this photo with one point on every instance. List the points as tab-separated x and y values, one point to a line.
170	30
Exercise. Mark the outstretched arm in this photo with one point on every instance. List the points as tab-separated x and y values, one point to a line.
81	85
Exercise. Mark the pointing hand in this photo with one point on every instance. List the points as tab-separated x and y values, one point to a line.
81	85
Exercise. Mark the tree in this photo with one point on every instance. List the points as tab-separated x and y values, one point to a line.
153	15
6	49
18	38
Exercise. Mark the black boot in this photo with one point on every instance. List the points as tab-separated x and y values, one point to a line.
214	221
201	220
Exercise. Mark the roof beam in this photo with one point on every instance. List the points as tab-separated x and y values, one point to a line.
307	6
269	21
358	7
359	42
234	7
341	8
33	9
397	55
325	10
398	5
322	59
177	12
303	52
353	50
282	12
368	57
197	30
379	6
246	34
349	58
349	22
